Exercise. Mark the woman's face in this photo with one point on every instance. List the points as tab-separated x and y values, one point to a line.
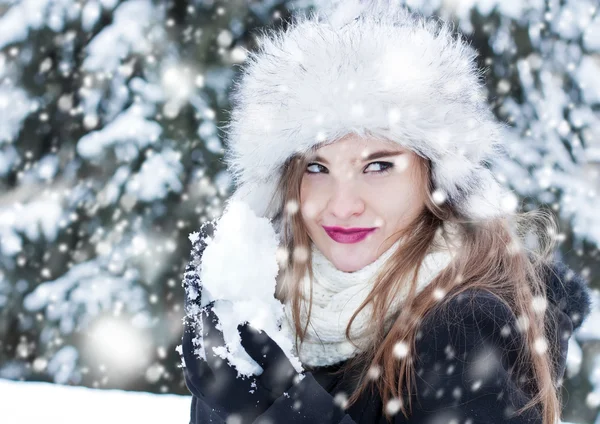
343	187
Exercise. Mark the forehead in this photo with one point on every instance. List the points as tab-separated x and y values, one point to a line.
353	145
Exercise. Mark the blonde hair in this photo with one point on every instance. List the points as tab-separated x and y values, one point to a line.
494	255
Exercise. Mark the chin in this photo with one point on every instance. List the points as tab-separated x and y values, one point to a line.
349	267
348	261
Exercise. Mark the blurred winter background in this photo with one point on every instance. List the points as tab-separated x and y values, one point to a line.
111	155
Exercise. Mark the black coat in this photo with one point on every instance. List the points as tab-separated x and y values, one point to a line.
463	364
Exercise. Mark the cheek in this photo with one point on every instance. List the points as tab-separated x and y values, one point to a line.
305	193
395	202
308	200
309	208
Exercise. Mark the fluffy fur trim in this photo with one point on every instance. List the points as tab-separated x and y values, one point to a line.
372	68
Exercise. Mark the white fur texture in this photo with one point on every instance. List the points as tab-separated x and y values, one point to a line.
374	69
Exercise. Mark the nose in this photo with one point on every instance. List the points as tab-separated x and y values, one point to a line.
345	201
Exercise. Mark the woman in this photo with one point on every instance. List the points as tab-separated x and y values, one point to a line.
444	307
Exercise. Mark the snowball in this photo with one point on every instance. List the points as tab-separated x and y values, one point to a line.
240	260
238	272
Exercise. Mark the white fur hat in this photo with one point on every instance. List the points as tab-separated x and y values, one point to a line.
369	67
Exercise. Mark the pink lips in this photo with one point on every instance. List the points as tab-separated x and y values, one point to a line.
348	235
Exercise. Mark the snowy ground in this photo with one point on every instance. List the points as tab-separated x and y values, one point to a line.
29	403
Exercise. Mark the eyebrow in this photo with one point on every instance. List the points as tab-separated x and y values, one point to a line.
374	155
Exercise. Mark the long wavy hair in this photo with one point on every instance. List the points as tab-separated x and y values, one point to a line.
504	256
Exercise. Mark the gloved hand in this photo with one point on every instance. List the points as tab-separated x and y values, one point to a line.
217	382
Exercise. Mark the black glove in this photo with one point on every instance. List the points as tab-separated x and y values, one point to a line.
216	381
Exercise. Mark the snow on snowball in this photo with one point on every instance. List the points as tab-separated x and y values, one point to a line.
238	271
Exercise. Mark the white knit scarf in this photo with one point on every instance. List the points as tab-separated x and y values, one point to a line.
338	294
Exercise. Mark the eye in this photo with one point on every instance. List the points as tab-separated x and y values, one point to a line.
316	165
384	167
